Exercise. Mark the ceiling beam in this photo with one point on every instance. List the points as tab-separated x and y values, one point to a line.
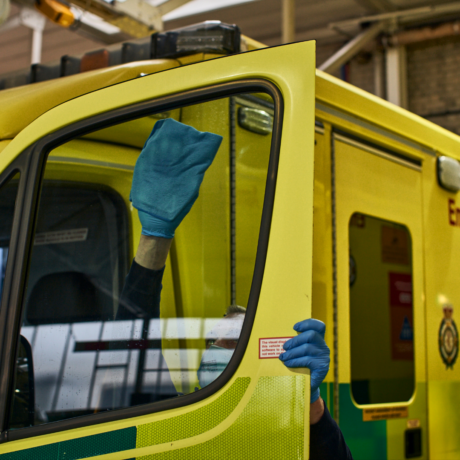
344	54
147	16
401	15
170	5
377	6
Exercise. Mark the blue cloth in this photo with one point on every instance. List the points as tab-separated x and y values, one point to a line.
308	349
168	175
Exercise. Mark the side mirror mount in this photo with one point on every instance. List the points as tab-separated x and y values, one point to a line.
23	405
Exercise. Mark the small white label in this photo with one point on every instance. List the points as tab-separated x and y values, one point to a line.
62	236
271	347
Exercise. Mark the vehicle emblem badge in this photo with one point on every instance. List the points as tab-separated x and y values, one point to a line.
448	338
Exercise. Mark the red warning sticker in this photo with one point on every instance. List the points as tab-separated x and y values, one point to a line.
271	347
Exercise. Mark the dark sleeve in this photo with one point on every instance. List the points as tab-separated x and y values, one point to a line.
140	297
326	440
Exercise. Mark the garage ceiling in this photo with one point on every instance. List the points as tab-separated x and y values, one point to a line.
261	19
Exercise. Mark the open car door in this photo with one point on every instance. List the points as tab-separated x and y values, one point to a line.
100	385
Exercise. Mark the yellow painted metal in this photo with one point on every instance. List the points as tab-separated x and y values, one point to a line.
322	238
367	107
384	189
442	246
131	133
396	428
290	242
439	244
193	58
376	136
3	144
368	184
26	103
252	44
376	187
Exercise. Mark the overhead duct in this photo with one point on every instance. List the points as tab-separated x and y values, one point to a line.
408	37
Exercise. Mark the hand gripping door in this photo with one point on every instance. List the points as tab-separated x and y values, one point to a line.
249	396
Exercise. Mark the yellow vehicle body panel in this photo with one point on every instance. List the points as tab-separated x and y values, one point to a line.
26	103
394	120
435	401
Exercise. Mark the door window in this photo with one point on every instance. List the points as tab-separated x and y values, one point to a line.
381	311
8	193
100	337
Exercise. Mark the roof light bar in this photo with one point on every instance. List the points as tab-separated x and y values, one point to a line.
94	60
206	37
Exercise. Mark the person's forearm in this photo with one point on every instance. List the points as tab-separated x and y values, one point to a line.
316	411
140	297
152	252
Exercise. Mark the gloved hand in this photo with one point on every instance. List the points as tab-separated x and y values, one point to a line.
309	349
168	175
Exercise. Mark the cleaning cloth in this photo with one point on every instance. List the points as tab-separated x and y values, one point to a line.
168	175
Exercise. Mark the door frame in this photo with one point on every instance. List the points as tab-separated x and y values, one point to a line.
24	223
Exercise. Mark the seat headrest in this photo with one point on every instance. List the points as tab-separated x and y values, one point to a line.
66	297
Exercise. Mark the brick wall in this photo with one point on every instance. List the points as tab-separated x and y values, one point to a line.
433	70
361	72
433	78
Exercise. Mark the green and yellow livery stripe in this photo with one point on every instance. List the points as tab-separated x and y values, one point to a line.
271	425
89	446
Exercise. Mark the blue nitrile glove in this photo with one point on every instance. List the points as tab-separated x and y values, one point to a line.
168	175
309	349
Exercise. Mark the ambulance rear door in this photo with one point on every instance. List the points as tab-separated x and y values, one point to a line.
377	214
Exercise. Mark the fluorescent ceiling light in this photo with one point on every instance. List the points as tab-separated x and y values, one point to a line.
198	6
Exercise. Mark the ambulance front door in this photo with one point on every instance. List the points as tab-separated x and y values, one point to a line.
380	353
85	371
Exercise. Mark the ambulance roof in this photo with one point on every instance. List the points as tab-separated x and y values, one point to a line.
383	115
23	104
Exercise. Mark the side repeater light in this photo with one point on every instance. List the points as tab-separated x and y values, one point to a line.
257	121
449	174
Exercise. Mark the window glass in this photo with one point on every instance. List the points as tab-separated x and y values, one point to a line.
8	193
381	311
100	337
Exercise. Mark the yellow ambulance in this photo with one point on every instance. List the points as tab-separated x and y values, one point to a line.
323	201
